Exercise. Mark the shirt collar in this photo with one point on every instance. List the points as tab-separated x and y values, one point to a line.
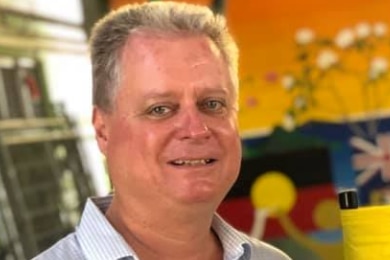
99	240
235	244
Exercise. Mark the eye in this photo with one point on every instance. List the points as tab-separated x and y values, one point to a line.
160	111
213	106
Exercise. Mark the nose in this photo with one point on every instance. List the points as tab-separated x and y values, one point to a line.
193	125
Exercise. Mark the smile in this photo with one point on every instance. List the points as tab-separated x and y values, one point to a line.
192	162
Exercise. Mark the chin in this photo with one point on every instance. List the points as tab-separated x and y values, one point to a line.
206	196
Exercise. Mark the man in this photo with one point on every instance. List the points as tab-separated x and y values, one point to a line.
165	115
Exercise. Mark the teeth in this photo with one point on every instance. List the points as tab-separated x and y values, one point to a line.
192	162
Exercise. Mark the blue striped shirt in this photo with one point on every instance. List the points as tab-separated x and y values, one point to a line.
96	239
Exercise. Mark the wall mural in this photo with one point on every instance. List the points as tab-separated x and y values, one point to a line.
289	181
314	117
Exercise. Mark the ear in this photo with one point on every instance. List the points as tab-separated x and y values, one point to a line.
100	123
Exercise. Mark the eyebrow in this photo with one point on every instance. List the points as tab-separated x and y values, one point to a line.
171	94
215	90
156	95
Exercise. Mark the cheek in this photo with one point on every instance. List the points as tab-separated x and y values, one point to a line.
235	153
136	141
120	134
117	149
127	151
123	144
229	138
234	143
229	129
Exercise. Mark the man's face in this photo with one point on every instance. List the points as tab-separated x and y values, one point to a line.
172	135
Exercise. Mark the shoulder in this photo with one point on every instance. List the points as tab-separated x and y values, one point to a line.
66	248
233	241
262	250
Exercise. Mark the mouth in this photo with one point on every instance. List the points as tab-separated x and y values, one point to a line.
193	162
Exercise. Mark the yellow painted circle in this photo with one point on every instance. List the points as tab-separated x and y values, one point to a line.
273	191
326	214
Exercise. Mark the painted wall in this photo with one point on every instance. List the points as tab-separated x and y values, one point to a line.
265	34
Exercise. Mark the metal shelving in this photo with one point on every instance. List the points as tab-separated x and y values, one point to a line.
43	181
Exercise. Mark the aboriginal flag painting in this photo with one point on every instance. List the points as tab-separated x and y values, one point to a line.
285	194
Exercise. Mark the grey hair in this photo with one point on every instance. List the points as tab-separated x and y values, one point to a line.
111	33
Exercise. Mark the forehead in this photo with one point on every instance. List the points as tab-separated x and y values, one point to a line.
149	45
173	57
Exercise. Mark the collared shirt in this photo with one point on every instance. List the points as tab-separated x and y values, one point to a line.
96	239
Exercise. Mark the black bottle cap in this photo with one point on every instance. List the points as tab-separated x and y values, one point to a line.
348	199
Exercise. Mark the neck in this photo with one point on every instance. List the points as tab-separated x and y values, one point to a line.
173	233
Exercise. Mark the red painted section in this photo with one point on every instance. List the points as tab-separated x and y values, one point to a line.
239	211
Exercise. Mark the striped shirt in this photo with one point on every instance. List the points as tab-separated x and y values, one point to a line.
96	239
